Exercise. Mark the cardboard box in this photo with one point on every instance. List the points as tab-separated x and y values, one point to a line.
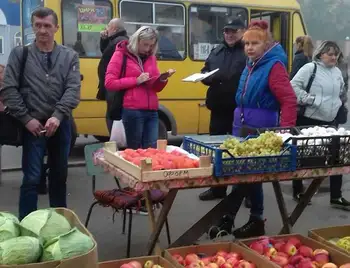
323	235
213	248
88	260
156	259
336	256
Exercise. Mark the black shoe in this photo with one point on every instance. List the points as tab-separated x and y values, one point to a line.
224	227
254	227
209	195
247	203
340	203
298	197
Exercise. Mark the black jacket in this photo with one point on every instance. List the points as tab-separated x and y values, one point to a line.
223	84
107	47
299	61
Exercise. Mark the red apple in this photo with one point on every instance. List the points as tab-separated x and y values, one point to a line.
264	240
283	254
305	251
279	245
290	249
280	260
329	265
295	241
320	251
219	260
258	247
212	265
178	258
234	255
288	266
206	260
321	259
268	252
195	265
226	265
306	264
127	265
221	253
148	264
243	264
294	260
135	264
191	258
232	261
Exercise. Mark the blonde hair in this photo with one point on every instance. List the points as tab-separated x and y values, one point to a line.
143	33
304	43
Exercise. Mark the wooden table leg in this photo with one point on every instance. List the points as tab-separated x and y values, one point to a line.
158	226
203	225
282	206
152	220
304	201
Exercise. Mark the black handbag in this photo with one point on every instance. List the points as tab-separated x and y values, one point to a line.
342	115
301	108
115	99
11	129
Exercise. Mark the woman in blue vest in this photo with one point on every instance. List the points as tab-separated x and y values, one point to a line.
264	98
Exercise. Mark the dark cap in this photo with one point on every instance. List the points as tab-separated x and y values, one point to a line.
235	24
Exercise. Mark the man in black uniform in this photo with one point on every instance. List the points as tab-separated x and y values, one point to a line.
229	57
114	33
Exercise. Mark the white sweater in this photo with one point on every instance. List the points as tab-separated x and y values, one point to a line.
327	87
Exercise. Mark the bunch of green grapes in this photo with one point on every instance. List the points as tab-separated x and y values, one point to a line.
268	143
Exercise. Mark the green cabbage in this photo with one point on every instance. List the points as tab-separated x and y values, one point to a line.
20	250
44	224
9	226
73	243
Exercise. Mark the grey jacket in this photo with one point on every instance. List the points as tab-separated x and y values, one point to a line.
44	93
328	89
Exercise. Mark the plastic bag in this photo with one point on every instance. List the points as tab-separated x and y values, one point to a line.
118	134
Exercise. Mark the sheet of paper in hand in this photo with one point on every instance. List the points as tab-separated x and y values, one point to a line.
199	76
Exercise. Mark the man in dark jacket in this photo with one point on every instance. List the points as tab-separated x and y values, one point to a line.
114	33
229	57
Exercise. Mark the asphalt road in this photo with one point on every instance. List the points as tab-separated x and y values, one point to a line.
186	210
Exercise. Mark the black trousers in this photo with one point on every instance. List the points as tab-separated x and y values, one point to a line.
220	124
336	181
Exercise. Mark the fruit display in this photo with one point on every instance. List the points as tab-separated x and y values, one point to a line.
268	143
221	259
343	243
161	159
290	252
137	264
43	235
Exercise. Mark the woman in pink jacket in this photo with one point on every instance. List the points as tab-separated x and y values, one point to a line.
141	82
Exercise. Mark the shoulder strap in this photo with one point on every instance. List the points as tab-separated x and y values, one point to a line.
23	65
123	70
312	78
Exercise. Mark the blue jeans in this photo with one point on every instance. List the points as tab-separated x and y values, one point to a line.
141	128
34	149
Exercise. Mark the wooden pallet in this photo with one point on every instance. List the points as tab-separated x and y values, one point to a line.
145	172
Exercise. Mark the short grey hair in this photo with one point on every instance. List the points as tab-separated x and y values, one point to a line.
324	47
143	33
118	23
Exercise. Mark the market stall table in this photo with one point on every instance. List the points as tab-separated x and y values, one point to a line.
198	229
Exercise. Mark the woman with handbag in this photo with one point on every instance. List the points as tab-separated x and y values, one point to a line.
321	104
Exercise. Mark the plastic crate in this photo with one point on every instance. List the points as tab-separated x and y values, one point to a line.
225	167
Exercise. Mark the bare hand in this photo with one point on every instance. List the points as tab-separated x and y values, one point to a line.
35	127
142	78
171	72
51	126
104	34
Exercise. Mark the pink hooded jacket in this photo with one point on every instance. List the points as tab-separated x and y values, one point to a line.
137	97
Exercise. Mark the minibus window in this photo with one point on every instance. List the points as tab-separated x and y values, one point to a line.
167	18
82	23
28	6
206	24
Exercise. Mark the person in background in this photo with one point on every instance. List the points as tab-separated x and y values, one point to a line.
2	71
264	99
326	95
44	104
115	32
167	49
303	54
229	57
